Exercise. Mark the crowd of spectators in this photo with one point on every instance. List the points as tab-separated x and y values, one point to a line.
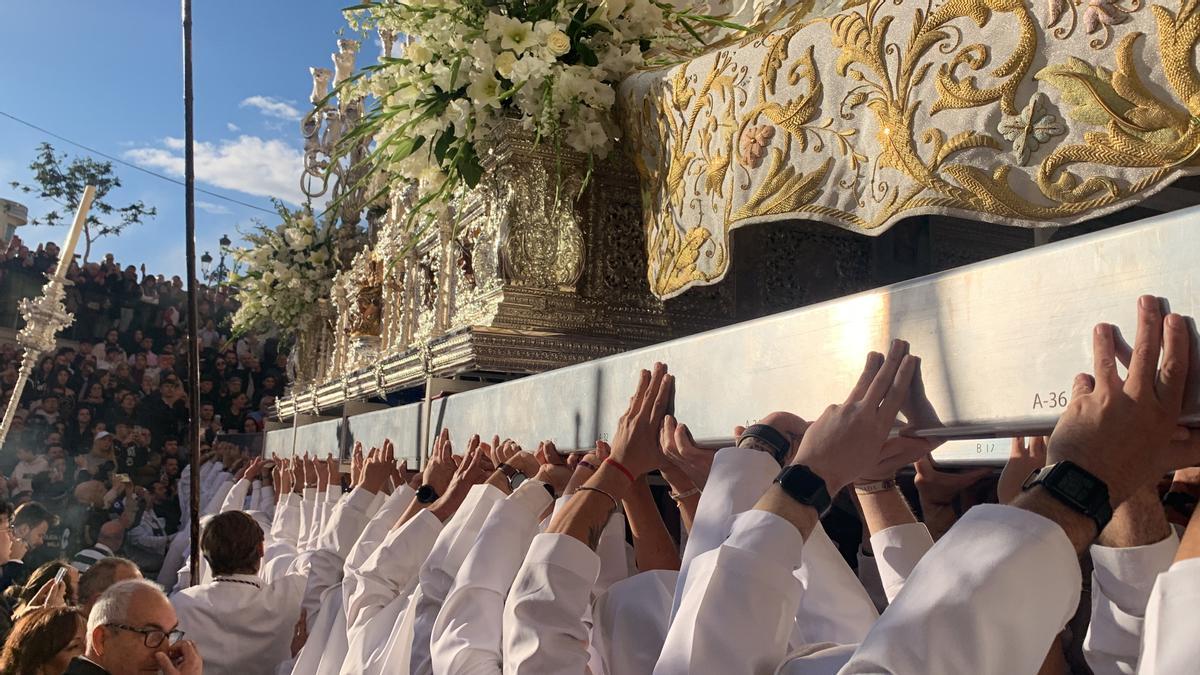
98	444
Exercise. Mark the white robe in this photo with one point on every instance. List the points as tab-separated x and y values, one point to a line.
1169	645
466	636
243	625
1122	580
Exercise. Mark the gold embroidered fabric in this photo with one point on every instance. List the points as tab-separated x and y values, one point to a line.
1021	112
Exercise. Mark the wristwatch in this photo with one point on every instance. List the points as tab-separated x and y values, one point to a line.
513	474
806	487
769	435
1070	484
426	494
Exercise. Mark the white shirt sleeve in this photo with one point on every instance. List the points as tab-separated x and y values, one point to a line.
613	552
1122	580
213	506
308	511
1169	644
467	636
325	563
739	476
378	527
739	603
390	570
235	498
438	572
988	599
285	527
834	606
897	551
543	627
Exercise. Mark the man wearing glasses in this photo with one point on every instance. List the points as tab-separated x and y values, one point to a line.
132	629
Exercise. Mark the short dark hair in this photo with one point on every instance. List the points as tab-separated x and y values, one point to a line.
99	577
6	509
31	514
232	543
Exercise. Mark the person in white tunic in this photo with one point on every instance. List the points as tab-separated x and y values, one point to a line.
244	623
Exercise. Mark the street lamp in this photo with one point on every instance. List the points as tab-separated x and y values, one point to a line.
222	272
205	264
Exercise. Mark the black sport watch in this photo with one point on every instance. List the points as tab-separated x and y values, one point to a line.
426	494
806	487
1072	485
514	475
769	435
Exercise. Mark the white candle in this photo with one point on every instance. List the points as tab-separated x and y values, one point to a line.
68	249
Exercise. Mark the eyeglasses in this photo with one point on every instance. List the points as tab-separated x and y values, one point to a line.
153	636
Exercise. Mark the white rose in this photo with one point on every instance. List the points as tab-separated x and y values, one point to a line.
558	43
504	64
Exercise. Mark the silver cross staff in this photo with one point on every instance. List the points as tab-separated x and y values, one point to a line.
45	315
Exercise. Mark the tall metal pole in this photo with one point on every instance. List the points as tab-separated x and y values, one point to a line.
193	359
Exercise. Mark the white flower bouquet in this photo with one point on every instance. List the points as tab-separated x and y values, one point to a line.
466	64
283	272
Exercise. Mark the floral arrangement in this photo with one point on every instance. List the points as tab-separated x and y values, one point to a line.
466	64
283	272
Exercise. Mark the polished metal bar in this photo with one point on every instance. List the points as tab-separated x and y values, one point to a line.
1000	342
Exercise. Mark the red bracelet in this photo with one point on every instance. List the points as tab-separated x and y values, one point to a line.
621	467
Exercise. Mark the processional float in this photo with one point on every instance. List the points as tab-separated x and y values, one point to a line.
980	116
45	316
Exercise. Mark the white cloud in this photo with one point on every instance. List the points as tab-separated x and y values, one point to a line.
232	127
272	107
249	164
215	209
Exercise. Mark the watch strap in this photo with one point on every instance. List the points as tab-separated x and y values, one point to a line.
805	486
426	494
771	436
1077	488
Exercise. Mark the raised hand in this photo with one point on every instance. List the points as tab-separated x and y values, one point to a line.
334	470
468	474
254	469
585	467
311	478
635	444
1025	457
554	470
287	475
300	633
356	464
440	467
180	659
376	471
1125	431
846	442
682	453
941	487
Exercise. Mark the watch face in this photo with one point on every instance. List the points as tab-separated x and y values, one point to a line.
426	494
516	480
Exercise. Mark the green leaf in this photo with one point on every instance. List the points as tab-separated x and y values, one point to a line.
587	55
443	145
1089	89
468	165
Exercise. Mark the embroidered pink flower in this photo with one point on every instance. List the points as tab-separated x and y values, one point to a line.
753	145
1102	13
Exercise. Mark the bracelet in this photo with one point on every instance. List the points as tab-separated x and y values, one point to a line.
584	462
877	486
685	494
621	468
594	489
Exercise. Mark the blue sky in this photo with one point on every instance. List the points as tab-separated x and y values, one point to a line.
109	75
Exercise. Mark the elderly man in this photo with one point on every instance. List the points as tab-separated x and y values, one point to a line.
112	535
132	629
